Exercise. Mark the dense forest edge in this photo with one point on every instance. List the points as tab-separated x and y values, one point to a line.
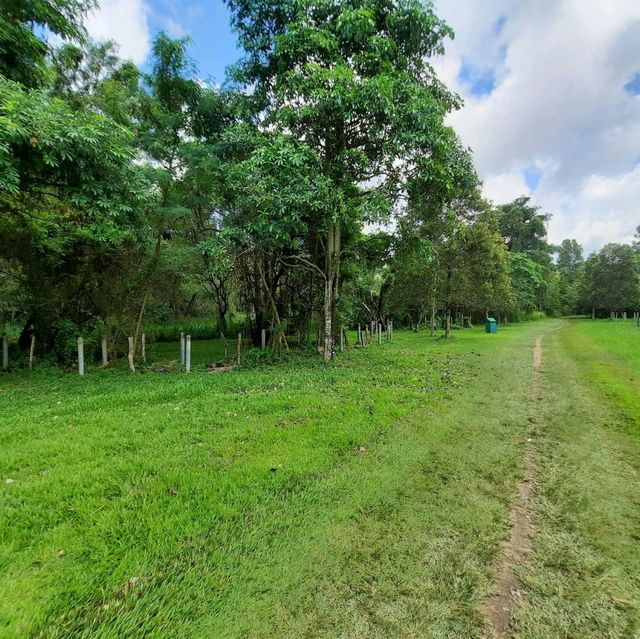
320	188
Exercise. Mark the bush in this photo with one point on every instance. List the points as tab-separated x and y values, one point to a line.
198	328
65	341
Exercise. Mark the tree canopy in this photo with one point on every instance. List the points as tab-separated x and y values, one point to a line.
320	187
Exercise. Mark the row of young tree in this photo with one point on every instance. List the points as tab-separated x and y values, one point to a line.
129	197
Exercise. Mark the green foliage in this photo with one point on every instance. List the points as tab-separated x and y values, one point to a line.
92	76
282	191
486	260
198	327
570	260
72	199
353	83
135	197
65	343
524	229
72	166
611	280
528	280
22	52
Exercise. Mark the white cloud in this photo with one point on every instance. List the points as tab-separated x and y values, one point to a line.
558	104
505	187
174	28
604	209
125	22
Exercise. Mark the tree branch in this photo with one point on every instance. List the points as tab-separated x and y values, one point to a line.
310	264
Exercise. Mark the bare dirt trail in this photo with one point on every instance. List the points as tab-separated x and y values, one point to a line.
498	608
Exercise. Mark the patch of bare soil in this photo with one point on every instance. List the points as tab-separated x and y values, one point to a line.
498	608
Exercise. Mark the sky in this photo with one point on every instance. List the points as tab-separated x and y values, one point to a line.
551	91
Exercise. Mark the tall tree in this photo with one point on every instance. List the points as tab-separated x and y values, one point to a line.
611	279
524	229
165	121
569	266
353	82
22	50
90	75
487	260
528	281
570	259
70	193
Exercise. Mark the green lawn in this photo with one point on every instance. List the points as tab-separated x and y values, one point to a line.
362	499
608	352
582	579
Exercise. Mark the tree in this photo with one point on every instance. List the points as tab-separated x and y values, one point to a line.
352	82
569	266
570	259
610	281
164	121
487	260
528	281
368	279
414	291
22	52
278	191
90	75
70	193
524	229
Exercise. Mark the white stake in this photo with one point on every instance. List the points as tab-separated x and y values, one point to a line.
182	349
143	348
105	356
188	354
379	333
80	356
130	356
263	338
31	351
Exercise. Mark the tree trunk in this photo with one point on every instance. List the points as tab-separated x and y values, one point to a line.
25	336
150	274
279	338
222	323
447	324
332	272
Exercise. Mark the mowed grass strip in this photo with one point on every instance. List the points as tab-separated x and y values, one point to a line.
582	577
609	353
362	499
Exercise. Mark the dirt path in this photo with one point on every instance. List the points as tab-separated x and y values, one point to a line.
498	608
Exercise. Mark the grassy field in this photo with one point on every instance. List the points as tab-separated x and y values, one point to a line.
582	579
367	498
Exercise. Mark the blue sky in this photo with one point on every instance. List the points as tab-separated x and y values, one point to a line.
551	91
213	44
